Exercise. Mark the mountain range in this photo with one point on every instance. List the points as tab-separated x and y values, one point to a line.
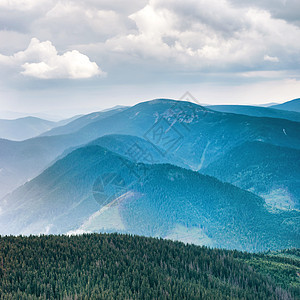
28	127
164	168
175	127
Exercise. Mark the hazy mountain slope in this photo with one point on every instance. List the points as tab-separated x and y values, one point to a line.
34	155
68	120
24	128
194	134
293	105
28	127
82	121
17	115
136	149
131	147
270	171
99	266
256	111
21	161
116	107
93	189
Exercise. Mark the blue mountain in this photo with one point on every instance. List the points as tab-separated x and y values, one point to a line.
193	134
257	111
24	128
82	121
267	170
95	190
293	105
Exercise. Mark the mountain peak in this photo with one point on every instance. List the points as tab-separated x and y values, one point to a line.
172	103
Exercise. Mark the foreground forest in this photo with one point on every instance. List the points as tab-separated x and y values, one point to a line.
113	266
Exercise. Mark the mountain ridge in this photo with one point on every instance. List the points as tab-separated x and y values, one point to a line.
185	128
292	105
183	204
257	111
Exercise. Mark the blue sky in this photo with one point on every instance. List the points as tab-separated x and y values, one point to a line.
66	57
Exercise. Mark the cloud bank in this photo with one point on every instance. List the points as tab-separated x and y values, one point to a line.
193	35
41	60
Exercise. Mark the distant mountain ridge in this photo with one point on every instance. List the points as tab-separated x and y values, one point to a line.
194	134
83	121
28	127
257	111
293	105
103	191
24	128
20	161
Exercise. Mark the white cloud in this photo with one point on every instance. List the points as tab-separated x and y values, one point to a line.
23	5
200	34
41	60
271	58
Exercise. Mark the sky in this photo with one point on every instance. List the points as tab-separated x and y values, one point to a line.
64	57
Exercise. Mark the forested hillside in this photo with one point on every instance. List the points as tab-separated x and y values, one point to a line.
101	266
161	200
267	170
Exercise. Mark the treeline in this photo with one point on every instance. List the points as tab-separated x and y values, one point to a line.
113	266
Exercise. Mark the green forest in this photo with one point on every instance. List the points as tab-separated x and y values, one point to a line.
115	266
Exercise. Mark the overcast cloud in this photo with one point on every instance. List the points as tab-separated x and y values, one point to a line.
45	45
